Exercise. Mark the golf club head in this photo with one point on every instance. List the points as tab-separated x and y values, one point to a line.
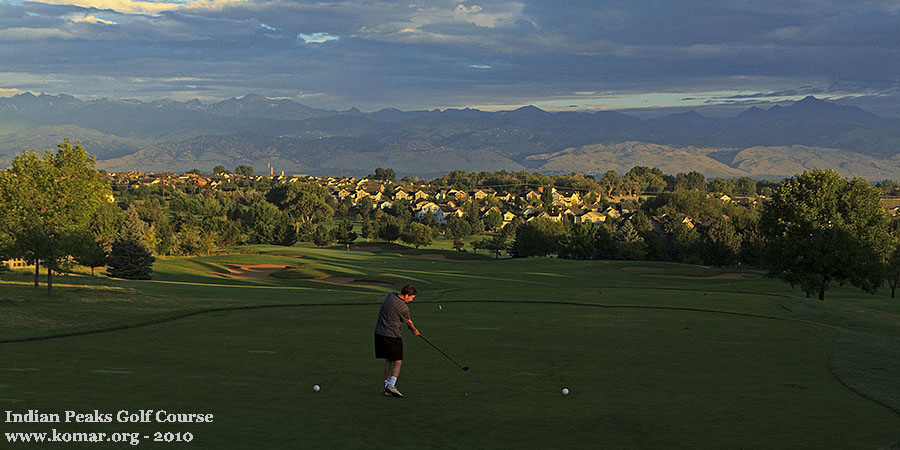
465	368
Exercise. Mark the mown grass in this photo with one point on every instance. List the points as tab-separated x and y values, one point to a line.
652	362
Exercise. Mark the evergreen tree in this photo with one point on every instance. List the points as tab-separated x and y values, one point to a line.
344	233
130	260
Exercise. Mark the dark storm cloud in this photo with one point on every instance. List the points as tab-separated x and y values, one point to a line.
433	53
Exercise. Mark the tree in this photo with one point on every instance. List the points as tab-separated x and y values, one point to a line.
693	180
458	227
95	244
493	219
824	229
721	243
130	260
368	229
584	241
321	236
610	182
218	170
91	252
304	203
390	228
136	230
629	243
459	244
244	170
496	243
892	260
384	175
48	203
268	225
539	237
417	234
344	234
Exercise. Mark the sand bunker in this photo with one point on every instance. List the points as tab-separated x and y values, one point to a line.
732	276
353	281
253	270
371	248
642	268
440	257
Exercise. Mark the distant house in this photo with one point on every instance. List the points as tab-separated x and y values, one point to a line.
533	196
16	264
420	195
401	195
593	217
459	195
529	212
343	193
508	217
426	208
480	194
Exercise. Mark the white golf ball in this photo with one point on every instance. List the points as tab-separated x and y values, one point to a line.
440	307
316	388
565	391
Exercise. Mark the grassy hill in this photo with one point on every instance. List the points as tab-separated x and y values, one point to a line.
655	355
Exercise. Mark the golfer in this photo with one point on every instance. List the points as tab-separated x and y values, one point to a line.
388	340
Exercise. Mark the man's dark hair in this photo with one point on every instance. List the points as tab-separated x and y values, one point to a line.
408	290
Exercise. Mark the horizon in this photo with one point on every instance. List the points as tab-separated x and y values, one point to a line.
712	111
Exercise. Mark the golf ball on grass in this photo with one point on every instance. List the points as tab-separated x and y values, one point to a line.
316	388
565	391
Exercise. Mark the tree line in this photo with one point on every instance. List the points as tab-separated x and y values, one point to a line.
816	230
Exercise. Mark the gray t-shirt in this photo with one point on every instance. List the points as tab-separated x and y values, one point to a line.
394	313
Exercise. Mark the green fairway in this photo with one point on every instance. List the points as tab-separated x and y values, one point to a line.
702	360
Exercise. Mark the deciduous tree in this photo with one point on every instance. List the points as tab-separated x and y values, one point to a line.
823	229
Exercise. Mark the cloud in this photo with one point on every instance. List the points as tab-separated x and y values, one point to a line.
480	66
92	19
268	28
316	38
35	34
146	7
472	9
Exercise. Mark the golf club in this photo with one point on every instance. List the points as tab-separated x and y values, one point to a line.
464	368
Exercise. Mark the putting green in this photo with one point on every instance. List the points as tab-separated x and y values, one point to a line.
639	379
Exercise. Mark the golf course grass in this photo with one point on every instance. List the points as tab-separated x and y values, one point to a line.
655	355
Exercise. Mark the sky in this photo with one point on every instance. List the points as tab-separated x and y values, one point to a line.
486	54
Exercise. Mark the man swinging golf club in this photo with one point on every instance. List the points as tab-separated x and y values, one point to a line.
388	339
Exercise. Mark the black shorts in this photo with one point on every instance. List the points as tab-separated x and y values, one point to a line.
389	348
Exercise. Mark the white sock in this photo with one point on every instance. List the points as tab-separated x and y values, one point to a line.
393	381
385	383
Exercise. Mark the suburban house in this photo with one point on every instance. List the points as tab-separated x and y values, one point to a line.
593	217
16	264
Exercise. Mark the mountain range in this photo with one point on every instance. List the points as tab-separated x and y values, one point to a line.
167	135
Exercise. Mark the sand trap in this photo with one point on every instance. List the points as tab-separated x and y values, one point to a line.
732	276
253	270
440	257
353	281
371	248
642	268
